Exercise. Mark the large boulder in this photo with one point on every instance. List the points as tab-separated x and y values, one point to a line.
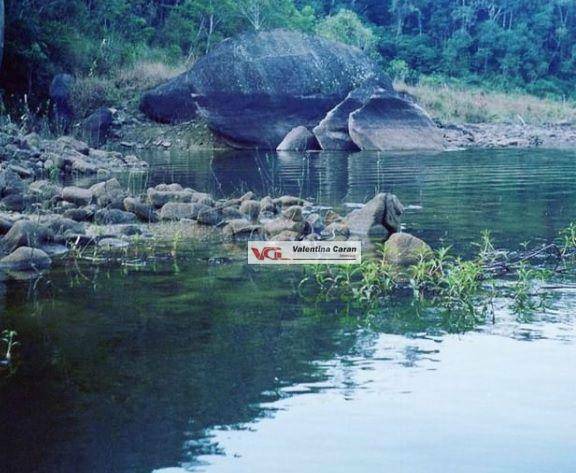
380	217
171	102
254	89
388	122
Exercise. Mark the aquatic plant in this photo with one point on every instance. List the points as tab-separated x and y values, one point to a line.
462	288
8	337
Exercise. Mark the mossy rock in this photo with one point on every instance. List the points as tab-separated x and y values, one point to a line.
404	249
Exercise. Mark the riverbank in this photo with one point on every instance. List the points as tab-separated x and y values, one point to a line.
469	117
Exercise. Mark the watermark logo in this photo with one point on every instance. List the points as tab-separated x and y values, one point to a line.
304	252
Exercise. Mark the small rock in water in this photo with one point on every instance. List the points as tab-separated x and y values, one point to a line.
26	259
112	243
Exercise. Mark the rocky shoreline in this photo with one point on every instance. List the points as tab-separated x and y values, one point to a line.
190	136
43	219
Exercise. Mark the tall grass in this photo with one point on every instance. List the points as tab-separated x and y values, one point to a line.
457	103
124	84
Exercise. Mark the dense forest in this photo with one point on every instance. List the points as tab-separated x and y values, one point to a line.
506	44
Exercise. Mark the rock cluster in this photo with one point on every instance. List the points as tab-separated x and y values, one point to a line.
30	156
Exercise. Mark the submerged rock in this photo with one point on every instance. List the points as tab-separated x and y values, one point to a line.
254	89
405	249
26	259
299	139
379	217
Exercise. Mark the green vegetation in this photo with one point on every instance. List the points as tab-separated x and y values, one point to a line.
465	289
505	45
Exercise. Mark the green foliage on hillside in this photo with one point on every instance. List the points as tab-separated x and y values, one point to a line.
506	44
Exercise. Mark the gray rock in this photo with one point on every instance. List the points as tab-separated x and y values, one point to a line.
31	141
180	210
231	213
6	223
26	233
240	228
254	89
163	193
390	123
14	202
380	216
336	231
289	201
44	189
251	208
267	204
26	259
405	249
96	126
77	195
54	249
287	235
274	227
299	139
114	217
11	183
79	215
247	196
209	216
109	194
143	211
69	143
293	213
62	226
315	222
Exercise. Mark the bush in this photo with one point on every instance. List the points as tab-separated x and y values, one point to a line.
347	27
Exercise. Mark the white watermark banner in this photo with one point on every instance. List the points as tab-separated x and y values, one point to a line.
304	252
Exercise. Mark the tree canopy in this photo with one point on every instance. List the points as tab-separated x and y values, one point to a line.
528	44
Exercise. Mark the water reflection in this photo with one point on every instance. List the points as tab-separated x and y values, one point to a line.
452	197
221	367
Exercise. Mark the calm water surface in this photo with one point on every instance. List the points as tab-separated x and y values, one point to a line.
210	365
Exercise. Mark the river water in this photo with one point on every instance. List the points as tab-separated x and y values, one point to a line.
205	363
